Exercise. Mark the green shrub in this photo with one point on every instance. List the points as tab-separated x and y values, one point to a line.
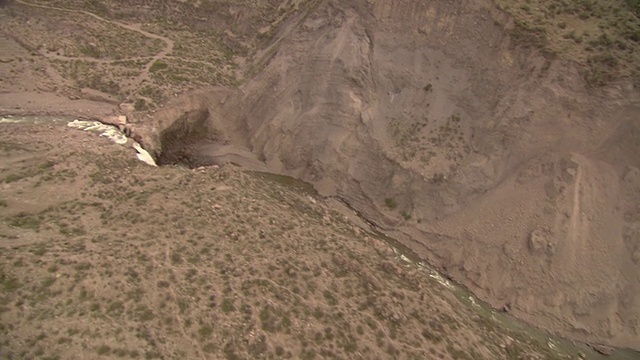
227	305
25	221
634	5
103	350
390	203
158	65
205	331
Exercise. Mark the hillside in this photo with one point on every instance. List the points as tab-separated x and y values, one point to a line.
106	257
499	164
497	141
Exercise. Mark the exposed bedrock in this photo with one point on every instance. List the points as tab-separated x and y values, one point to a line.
495	163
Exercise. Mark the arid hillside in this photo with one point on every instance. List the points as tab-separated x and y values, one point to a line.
104	257
497	140
499	163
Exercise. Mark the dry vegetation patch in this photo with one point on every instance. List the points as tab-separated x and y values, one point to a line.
603	36
138	262
128	49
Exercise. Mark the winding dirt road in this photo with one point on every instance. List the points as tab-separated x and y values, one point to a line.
144	75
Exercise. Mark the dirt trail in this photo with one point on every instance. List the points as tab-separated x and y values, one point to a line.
54	56
131	27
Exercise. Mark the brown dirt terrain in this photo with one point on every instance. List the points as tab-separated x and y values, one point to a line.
103	256
448	126
141	54
496	163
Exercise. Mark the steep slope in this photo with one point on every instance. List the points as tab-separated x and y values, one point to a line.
495	163
103	257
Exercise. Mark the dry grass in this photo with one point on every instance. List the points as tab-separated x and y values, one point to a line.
173	263
210	41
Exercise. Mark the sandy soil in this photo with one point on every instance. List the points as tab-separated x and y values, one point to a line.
495	163
103	256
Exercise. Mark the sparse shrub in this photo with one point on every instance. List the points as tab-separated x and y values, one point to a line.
176	258
103	350
63	340
140	105
120	352
390	203
158	65
101	83
432	336
152	355
25	221
438	178
279	350
634	5
115	308
48	281
9	283
72	231
144	313
227	305
209	348
328	296
308	354
90	51
98	6
230	351
318	313
205	331
601	69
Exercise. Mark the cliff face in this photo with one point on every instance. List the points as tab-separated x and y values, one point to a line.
495	163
